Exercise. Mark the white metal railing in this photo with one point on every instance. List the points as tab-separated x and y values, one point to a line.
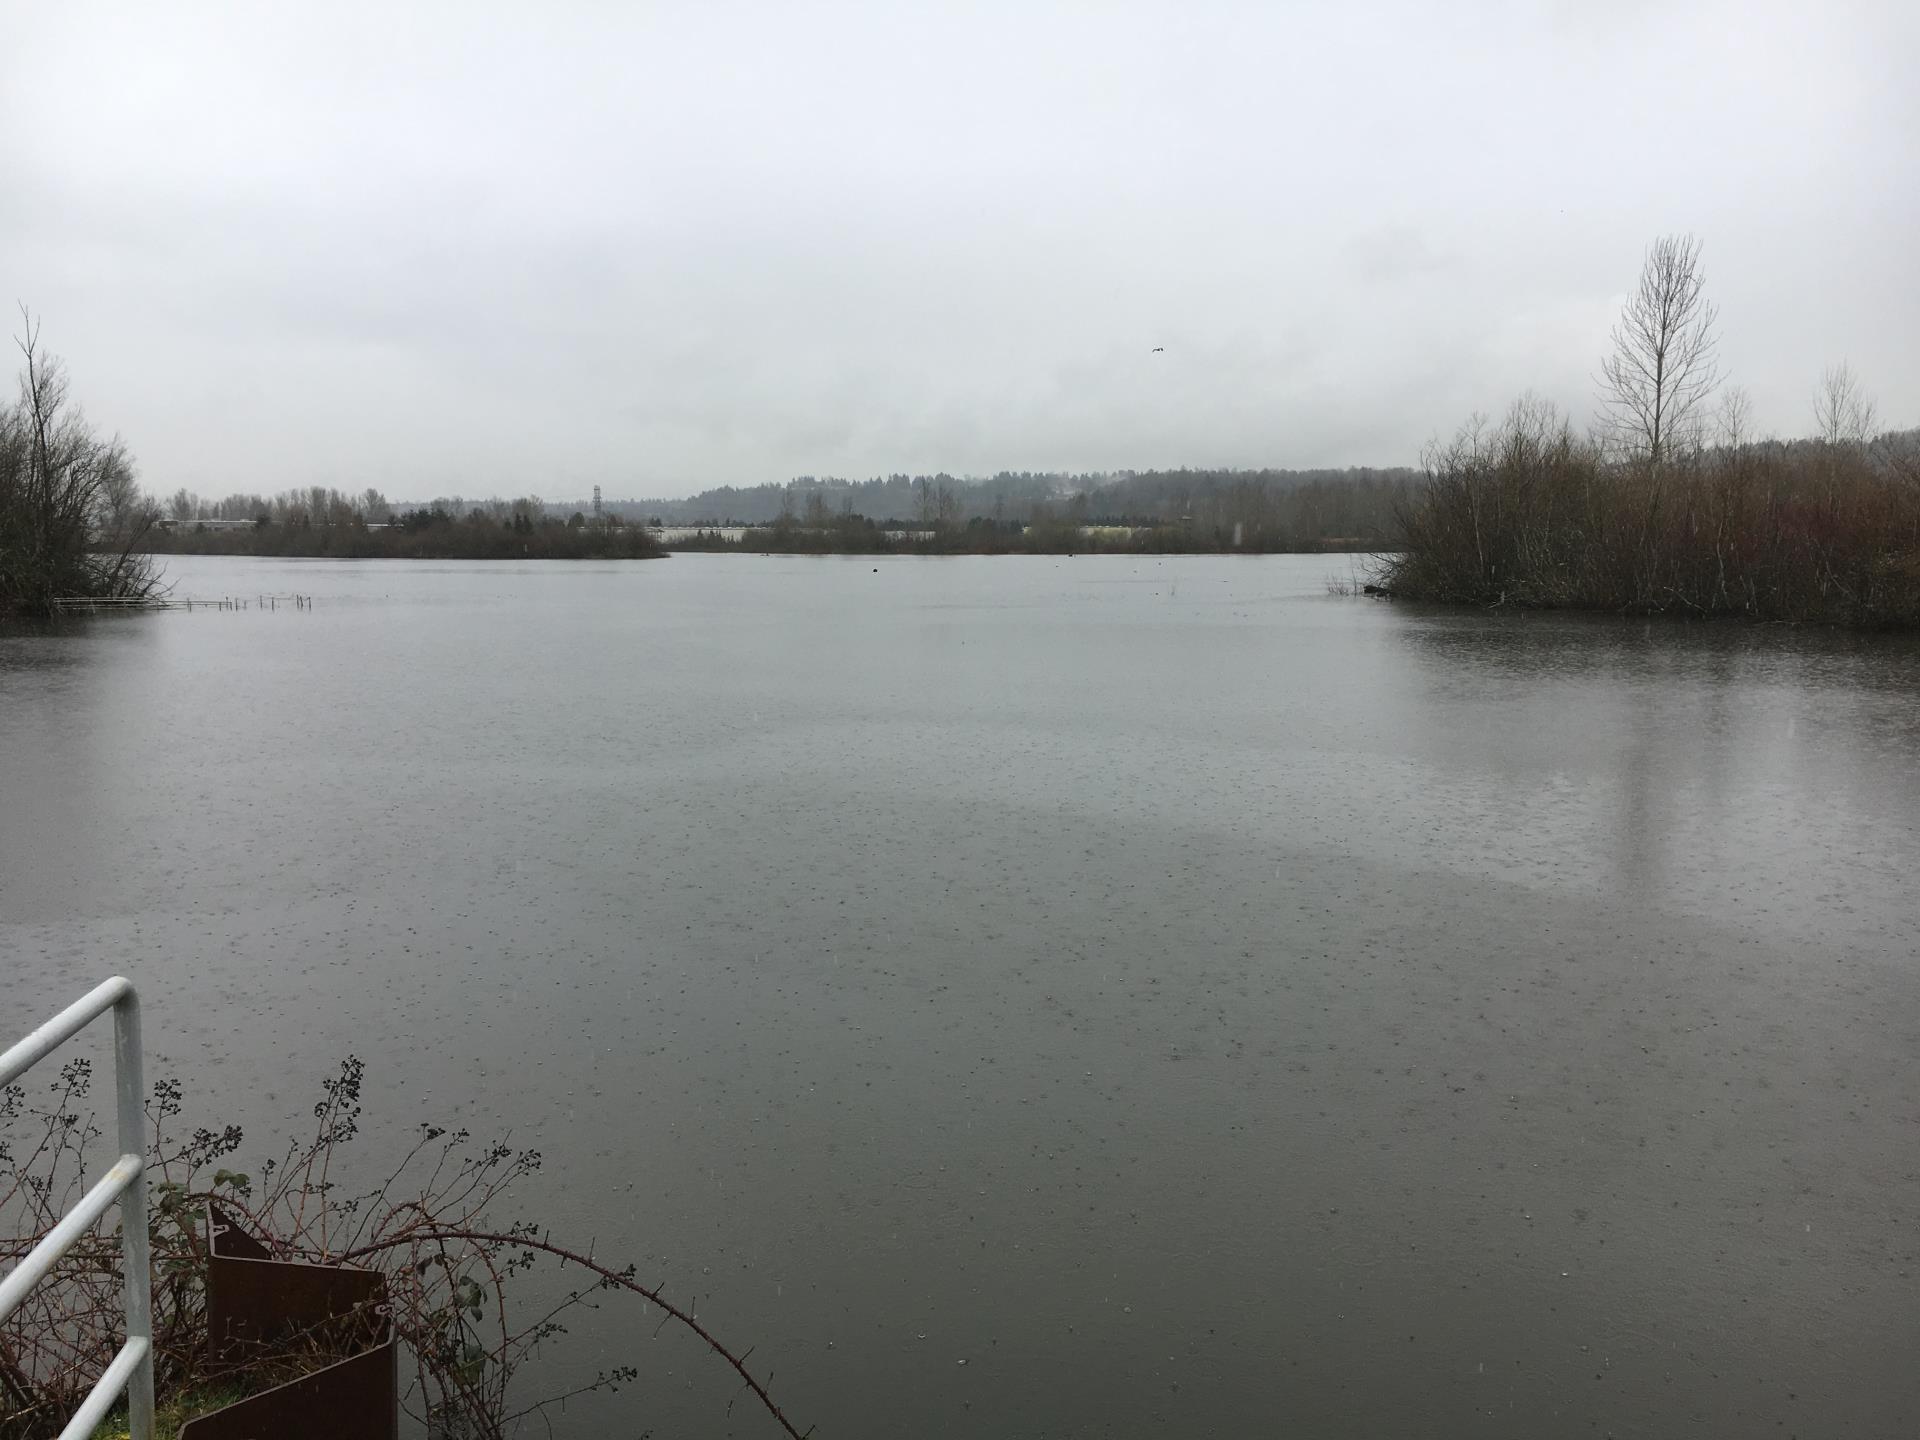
126	1182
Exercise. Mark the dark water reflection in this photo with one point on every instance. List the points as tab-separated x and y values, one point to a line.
1200	1005
1724	769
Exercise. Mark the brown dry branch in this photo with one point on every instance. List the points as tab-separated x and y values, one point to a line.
427	1227
429	1235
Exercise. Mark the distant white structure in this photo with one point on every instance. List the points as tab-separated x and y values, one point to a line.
667	534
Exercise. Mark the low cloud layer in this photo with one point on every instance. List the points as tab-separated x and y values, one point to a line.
453	249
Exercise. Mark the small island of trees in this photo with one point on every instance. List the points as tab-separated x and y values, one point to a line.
1670	505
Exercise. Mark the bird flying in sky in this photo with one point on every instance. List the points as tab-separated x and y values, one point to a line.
1159	350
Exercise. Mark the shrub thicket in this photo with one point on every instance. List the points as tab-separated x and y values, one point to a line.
434	533
1526	513
71	521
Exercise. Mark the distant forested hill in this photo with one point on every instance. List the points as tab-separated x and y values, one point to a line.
1354	502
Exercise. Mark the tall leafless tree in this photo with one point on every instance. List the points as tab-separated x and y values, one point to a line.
1843	412
1662	367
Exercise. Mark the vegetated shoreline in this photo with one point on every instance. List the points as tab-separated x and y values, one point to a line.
1520	515
1184	512
453	540
556	541
1526	515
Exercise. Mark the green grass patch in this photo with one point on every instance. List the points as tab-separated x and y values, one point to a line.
170	1414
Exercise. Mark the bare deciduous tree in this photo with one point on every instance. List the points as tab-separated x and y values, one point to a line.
61	487
1843	412
1736	417
1662	366
121	505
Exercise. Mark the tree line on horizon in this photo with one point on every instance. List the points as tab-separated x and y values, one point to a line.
1166	511
1358	499
1223	512
1144	497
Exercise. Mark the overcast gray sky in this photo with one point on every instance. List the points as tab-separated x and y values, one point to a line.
476	249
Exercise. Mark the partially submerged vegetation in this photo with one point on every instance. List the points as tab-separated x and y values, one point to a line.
1669	507
71	521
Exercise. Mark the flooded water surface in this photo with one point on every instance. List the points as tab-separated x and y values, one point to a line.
1049	997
